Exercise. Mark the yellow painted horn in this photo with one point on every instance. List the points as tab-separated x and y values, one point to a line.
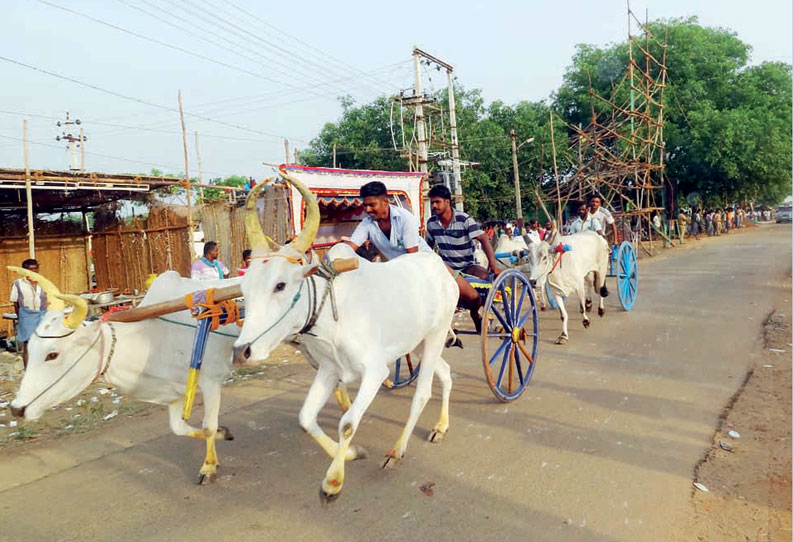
54	302
80	307
305	238
259	242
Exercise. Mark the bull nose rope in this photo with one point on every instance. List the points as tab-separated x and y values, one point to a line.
73	365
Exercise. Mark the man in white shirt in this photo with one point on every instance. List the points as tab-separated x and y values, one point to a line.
599	218
392	230
30	303
532	230
577	226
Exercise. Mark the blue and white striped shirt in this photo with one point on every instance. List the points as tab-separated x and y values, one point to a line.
456	242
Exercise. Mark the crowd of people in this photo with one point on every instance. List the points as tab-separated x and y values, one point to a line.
710	222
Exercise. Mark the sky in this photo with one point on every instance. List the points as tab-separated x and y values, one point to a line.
253	73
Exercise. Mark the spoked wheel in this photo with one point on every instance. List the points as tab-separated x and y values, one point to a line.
510	346
405	372
627	275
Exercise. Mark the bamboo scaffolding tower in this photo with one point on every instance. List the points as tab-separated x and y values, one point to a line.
619	155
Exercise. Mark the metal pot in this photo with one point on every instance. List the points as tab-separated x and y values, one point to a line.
104	297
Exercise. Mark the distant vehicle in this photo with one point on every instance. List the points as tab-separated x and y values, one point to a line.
783	214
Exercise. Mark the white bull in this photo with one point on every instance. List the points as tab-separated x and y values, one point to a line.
384	311
146	360
566	272
508	244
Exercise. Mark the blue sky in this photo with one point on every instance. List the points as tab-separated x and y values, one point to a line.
258	84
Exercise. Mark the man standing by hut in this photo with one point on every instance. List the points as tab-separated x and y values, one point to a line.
209	267
30	303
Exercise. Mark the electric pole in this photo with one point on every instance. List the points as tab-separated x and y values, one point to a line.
420	116
453	130
72	141
519	212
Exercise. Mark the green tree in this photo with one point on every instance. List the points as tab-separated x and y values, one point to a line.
728	125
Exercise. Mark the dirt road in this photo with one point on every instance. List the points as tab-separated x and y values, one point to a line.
601	447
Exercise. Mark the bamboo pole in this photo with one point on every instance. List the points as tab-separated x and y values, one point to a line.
28	194
188	192
554	162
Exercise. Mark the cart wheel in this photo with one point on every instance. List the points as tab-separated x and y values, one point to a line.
405	372
510	347
627	275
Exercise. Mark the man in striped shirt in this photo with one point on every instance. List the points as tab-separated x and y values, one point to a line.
454	234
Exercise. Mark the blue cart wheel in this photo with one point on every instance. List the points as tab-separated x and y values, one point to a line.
627	275
510	346
405	372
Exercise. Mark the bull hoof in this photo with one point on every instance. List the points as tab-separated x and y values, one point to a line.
588	305
586	323
225	433
543	308
207	479
328	498
392	459
601	312
562	339
453	342
436	436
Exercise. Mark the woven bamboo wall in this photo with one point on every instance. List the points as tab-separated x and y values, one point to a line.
224	223
62	259
126	253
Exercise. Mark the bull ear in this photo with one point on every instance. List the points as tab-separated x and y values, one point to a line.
553	238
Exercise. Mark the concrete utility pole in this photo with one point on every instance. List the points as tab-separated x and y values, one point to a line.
82	150
71	139
420	115
519	210
334	156
453	130
286	151
28	194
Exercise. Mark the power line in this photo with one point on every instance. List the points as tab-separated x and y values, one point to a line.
164	44
132	160
203	37
144	102
277	29
311	63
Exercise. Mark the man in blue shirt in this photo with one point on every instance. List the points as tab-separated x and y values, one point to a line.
454	233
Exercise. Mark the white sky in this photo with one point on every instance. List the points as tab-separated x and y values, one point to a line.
513	50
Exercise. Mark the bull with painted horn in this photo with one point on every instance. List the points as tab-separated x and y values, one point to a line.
146	360
377	313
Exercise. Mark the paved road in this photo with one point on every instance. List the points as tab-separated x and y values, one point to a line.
601	447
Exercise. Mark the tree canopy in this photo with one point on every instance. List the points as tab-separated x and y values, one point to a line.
727	124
